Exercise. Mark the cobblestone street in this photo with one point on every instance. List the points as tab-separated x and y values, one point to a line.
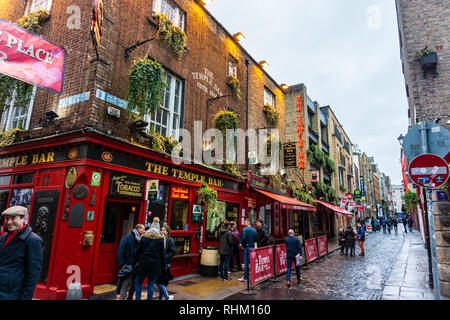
341	277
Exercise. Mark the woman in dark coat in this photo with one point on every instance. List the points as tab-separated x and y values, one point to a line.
171	250
342	239
151	258
350	237
225	250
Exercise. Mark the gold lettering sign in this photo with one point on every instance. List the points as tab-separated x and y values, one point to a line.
37	158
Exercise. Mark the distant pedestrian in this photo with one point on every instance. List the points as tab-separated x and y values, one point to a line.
293	249
126	258
361	237
405	222
350	238
21	256
225	250
248	239
151	257
376	224
341	238
171	250
383	224
410	223
395	224
389	223
263	237
236	248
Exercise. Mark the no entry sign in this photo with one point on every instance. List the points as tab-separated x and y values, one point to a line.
429	171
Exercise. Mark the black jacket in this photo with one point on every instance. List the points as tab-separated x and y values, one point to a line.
171	249
262	237
225	242
342	238
126	254
349	237
151	255
293	247
20	265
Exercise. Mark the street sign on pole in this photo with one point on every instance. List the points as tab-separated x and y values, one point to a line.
429	171
437	138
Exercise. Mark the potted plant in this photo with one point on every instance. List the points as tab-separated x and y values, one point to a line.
224	120
427	56
171	35
233	82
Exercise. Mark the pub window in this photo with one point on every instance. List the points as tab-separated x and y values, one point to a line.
232	68
172	12
24	178
36	5
232	213
5	180
21	197
14	117
159	207
179	211
269	97
167	120
182	245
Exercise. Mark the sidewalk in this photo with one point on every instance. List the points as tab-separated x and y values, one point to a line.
409	279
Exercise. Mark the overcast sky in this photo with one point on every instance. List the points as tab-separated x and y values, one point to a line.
347	54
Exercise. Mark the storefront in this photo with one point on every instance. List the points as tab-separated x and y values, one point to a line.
329	218
85	191
277	210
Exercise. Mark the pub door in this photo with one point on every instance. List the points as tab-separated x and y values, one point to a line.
118	219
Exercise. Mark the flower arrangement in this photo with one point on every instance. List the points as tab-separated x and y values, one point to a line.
272	115
32	22
224	120
233	82
9	137
207	195
171	35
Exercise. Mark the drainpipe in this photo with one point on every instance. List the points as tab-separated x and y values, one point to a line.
247	63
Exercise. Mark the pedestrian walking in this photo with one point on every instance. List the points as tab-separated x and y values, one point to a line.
361	237
389	223
171	250
293	252
341	238
21	256
376	224
405	222
350	238
151	257
383	224
236	248
126	258
395	224
263	237
248	239
410	223
225	250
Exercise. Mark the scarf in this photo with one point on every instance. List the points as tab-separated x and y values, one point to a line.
136	235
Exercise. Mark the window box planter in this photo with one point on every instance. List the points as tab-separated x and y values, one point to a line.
429	58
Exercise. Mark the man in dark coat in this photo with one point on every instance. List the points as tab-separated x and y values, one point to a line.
389	223
350	240
293	248
236	248
395	224
21	257
410	223
262	234
225	250
126	258
151	259
341	236
404	221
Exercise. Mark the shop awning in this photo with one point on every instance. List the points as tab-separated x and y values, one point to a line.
337	210
288	203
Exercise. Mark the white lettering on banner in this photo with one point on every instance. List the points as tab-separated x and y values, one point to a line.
39	54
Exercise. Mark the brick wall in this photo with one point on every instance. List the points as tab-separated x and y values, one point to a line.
425	23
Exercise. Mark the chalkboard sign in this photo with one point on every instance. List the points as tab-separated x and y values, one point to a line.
124	185
290	155
76	217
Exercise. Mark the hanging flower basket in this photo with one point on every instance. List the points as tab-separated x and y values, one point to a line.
233	82
32	21
9	137
146	87
272	115
170	35
224	120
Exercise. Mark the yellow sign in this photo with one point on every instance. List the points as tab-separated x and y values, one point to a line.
38	158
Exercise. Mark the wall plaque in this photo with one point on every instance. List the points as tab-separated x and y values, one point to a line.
124	185
76	217
71	177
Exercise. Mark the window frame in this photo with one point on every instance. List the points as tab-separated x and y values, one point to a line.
269	93
9	114
177	15
32	4
232	67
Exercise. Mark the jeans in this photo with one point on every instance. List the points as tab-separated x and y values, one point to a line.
224	266
237	255
163	292
289	266
405	228
410	228
246	261
151	286
352	250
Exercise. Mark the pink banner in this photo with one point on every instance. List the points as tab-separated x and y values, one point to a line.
261	264
30	58
280	259
322	246
311	250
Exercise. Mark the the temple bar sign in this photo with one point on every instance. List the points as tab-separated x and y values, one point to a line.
23	160
30	58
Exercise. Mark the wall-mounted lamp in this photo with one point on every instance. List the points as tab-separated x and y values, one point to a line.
239	36
284	86
47	120
263	64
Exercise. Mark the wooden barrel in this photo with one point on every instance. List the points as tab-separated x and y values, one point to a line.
209	262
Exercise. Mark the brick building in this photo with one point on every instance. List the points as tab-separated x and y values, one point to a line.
93	149
424	24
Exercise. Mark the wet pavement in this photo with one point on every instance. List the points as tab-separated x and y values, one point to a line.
340	277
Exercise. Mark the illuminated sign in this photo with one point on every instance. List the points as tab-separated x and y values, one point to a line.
97	22
300	130
180	193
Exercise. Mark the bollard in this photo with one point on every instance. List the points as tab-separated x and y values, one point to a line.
74	292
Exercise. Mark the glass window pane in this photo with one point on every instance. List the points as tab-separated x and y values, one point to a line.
5	180
23	178
165	113
159	207
179	213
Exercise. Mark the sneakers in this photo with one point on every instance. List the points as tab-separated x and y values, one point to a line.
171	298
227	279
241	280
